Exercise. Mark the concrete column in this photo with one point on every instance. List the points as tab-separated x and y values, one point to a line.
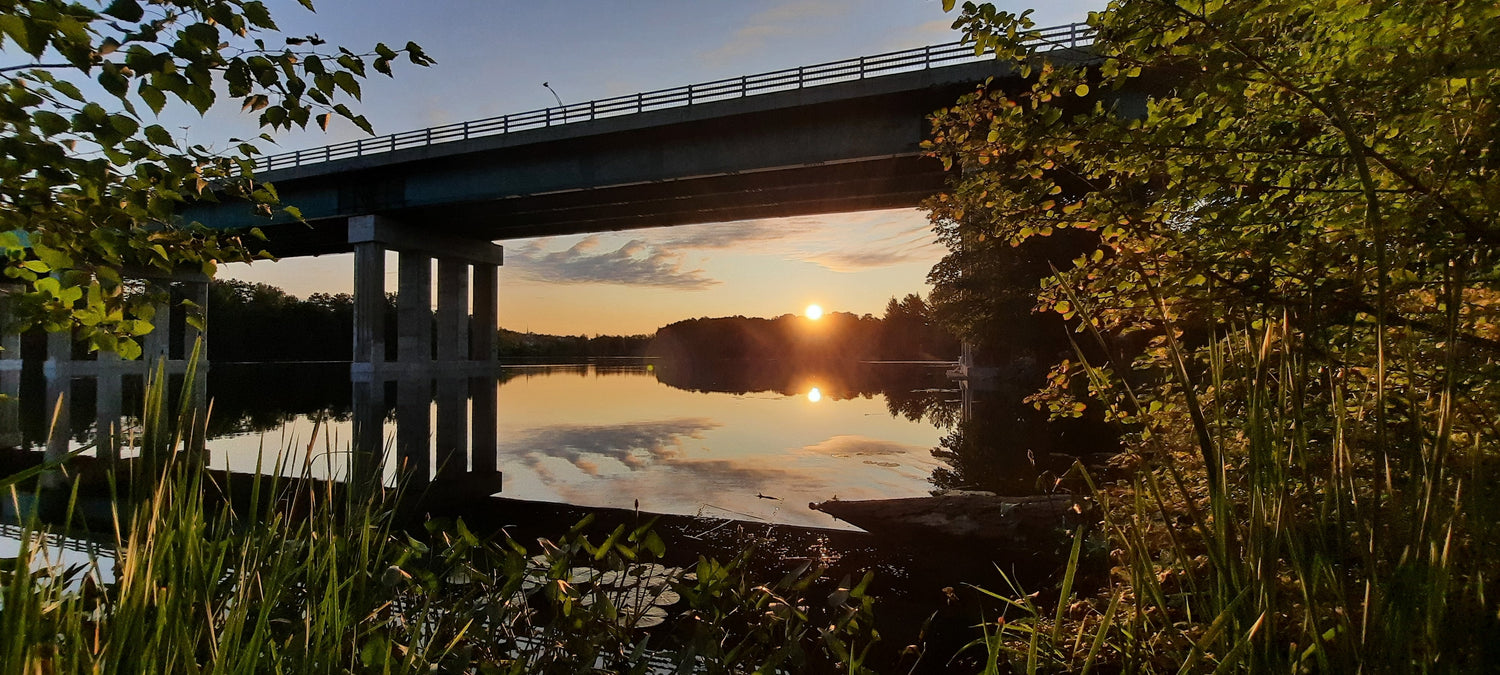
10	408
10	370
369	303
107	412
59	352
453	310
10	333
484	427
197	293
414	308
414	429
452	427
367	461
59	400
158	343
486	312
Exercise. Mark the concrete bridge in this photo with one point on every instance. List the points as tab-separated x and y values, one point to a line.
829	138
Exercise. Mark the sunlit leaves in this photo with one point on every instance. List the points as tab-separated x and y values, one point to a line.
1219	161
97	183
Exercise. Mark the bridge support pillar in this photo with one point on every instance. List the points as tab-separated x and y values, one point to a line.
10	369
195	292
369	303
452	310
414	309
158	343
482	342
460	340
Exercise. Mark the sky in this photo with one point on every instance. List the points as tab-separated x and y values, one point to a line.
492	58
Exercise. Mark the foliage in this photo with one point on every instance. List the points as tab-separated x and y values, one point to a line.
1292	303
91	184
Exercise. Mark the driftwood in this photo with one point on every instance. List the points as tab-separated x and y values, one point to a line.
972	516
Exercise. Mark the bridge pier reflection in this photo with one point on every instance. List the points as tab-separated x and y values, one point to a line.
446	433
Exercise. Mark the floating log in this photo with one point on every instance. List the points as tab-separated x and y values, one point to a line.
973	516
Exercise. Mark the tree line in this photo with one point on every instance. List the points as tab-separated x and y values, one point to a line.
907	331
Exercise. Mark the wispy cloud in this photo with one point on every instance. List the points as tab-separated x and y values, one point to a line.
891	241
739	234
797	18
634	263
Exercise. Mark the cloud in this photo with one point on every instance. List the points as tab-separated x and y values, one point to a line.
798	18
636	445
635	263
854	261
902	242
738	234
842	243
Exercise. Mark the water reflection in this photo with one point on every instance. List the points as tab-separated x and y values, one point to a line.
751	441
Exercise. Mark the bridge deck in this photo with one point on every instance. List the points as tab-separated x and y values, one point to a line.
837	137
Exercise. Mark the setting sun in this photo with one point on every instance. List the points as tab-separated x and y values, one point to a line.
813	312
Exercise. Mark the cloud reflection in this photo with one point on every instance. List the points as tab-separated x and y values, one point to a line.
636	445
864	446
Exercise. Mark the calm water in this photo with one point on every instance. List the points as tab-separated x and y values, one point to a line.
754	442
747	445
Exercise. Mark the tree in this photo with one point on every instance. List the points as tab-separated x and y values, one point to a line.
90	187
1295	210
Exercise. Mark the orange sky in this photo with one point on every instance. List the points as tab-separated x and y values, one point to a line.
634	282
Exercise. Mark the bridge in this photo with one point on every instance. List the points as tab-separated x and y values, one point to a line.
829	138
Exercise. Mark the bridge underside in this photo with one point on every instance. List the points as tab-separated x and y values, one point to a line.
835	148
845	147
886	183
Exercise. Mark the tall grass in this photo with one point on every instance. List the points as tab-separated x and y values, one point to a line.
315	576
1326	537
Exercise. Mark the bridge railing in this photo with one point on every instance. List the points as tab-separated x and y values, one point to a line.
1069	36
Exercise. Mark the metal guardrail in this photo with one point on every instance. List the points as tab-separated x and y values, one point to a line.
55	541
1069	36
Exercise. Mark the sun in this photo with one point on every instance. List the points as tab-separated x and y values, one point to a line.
813	312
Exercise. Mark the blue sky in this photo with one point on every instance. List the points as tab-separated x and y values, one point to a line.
493	57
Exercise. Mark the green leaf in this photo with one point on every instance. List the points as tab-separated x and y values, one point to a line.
128	349
125	10
158	135
49	122
153	97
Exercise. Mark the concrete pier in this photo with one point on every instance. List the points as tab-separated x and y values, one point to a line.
451	340
414	309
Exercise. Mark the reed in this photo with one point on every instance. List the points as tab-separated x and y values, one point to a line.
1328	535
